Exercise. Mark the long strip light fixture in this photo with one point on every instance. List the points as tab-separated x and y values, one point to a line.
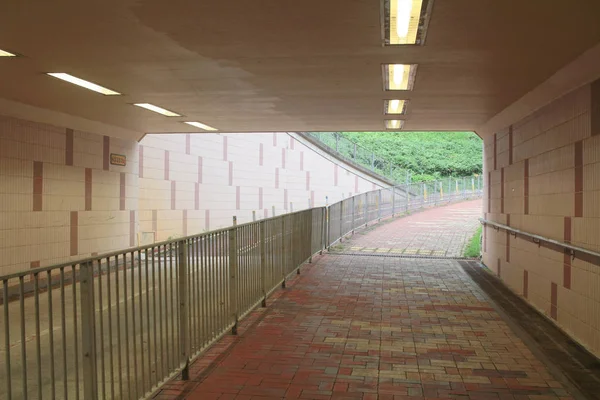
4	53
403	19
83	83
157	109
399	76
202	126
395	106
394	124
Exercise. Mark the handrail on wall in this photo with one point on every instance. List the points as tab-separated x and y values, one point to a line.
538	239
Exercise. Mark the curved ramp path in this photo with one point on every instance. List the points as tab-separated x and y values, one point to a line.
352	327
437	232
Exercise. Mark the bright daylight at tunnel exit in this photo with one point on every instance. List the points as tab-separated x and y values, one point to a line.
339	200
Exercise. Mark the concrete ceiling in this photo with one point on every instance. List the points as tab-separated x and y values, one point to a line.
282	65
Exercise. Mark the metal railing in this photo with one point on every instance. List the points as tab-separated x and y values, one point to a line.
573	251
118	325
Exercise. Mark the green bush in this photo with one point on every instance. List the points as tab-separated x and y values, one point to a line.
429	155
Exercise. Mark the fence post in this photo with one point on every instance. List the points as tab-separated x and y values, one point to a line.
341	220
323	229
283	252
407	194
183	275
366	209
263	263
233	277
253	216
88	331
379	206
353	213
393	201
273	208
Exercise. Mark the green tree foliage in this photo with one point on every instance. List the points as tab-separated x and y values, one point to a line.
429	155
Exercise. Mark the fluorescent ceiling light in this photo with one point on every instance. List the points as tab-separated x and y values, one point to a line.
202	126
395	106
394	124
6	54
157	109
83	83
403	21
399	76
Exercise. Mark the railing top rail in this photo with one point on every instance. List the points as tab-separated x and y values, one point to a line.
539	237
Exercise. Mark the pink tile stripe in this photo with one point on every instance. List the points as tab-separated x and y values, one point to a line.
230	173
173	194
283	158
261	150
199	169
188	143
260	197
307	180
167	165
224	148
74	233
237	197
88	189
38	185
69	147
106	153
285	199
276	178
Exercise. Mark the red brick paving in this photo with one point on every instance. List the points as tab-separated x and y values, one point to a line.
354	327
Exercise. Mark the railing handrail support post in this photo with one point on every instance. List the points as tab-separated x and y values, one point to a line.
233	278
182	270
263	263
88	331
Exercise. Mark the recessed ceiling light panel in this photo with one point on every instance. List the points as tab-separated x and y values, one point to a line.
84	84
4	53
202	126
405	21
395	106
394	124
399	76
157	109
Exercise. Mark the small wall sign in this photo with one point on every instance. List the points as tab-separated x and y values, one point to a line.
118	159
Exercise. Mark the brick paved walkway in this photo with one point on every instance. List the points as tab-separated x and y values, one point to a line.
353	327
442	231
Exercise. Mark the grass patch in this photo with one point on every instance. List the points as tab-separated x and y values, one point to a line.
474	246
